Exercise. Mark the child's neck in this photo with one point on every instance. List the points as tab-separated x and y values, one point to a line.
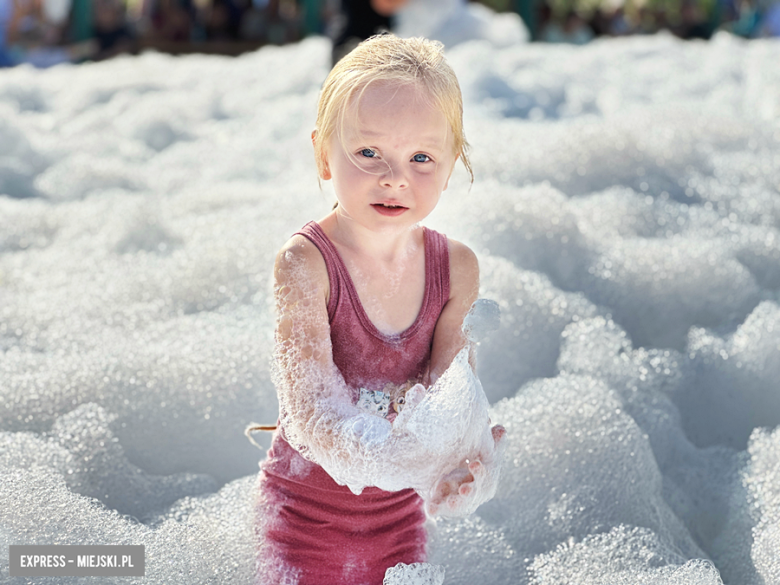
386	247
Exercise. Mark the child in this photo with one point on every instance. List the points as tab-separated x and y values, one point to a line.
370	312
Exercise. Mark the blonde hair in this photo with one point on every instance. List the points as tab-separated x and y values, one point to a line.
387	58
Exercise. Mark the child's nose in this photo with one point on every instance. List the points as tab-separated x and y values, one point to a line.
394	177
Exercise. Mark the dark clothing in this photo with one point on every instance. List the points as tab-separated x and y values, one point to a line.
360	22
107	40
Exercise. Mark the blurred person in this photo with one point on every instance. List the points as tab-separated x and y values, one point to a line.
727	11
651	20
577	30
253	25
222	21
284	22
769	25
81	25
172	20
599	21
544	16
692	22
361	19
574	30
34	34
316	14
31	37
746	21
6	8
617	23
113	35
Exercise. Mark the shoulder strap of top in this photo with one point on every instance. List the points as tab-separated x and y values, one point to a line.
313	232
437	265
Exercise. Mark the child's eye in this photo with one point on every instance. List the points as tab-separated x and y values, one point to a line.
368	153
421	158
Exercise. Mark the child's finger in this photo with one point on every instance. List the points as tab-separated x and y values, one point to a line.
465	489
446	488
476	467
498	433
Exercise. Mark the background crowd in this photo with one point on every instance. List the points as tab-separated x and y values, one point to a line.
47	32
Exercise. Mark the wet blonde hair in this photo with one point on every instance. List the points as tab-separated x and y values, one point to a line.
390	59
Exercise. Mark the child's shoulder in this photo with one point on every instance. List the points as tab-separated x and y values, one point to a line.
464	267
299	258
462	258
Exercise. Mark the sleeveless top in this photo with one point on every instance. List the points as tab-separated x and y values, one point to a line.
365	356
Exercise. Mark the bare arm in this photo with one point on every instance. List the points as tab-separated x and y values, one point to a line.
474	479
448	338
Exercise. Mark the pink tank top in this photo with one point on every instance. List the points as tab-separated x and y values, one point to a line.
365	356
324	532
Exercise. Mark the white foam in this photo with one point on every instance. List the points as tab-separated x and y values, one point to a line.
82	448
414	574
534	313
763	483
201	540
455	21
472	548
624	555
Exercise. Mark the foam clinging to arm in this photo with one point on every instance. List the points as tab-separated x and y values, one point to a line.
356	448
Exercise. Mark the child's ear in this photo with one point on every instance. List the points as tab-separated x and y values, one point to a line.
323	170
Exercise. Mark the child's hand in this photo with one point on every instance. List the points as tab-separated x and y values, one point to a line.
464	488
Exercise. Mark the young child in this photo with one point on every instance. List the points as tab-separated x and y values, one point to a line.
381	415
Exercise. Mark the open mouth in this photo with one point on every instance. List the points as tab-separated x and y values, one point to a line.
389	208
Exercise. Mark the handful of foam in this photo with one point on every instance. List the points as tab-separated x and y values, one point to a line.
438	431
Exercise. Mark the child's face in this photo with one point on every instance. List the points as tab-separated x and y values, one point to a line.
394	159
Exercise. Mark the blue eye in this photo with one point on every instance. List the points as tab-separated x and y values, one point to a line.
421	158
368	153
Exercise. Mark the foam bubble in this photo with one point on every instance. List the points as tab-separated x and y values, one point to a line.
470	548
763	481
534	313
624	555
483	317
455	21
203	541
734	388
84	450
414	574
697	483
556	485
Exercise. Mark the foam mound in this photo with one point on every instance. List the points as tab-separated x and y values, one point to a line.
414	574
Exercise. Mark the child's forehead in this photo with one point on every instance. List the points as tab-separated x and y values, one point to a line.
397	118
388	94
